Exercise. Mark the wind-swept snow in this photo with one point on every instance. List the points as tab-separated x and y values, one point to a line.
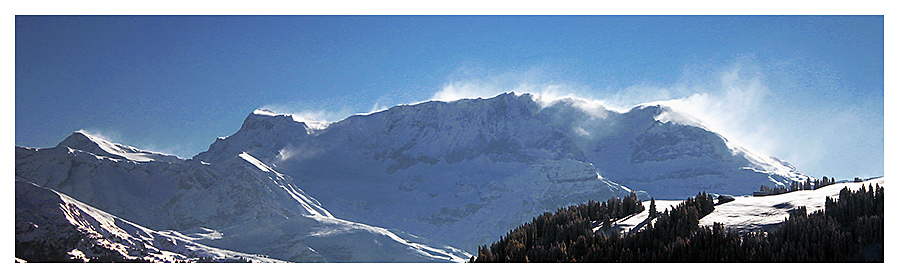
99	146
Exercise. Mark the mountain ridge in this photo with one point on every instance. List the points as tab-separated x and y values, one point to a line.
573	131
453	160
460	172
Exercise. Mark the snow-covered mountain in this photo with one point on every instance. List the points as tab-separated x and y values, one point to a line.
51	226
461	173
467	171
177	194
237	203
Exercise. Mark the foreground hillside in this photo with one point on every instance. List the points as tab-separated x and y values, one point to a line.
53	227
748	213
847	227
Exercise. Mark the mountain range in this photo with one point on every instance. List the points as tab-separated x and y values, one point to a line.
426	182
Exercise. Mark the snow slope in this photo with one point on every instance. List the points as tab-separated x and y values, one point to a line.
46	215
671	155
747	213
237	203
178	194
469	170
96	145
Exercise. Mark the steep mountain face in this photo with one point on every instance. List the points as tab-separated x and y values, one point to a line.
237	203
263	131
467	171
55	227
673	156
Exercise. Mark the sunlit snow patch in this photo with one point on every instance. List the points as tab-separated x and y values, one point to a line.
255	162
749	213
125	151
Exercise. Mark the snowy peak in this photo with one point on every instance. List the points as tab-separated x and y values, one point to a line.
101	147
503	106
266	120
262	134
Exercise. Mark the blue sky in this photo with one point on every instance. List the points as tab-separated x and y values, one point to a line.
807	89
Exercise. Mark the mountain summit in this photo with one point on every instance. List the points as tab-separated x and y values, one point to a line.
83	141
472	169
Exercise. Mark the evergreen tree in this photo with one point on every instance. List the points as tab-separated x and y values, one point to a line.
851	228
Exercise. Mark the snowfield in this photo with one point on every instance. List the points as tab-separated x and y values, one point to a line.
747	213
750	213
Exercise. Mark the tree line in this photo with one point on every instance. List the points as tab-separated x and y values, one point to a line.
809	184
547	235
849	229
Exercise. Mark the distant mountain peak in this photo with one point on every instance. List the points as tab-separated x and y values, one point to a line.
83	141
262	111
261	131
263	119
